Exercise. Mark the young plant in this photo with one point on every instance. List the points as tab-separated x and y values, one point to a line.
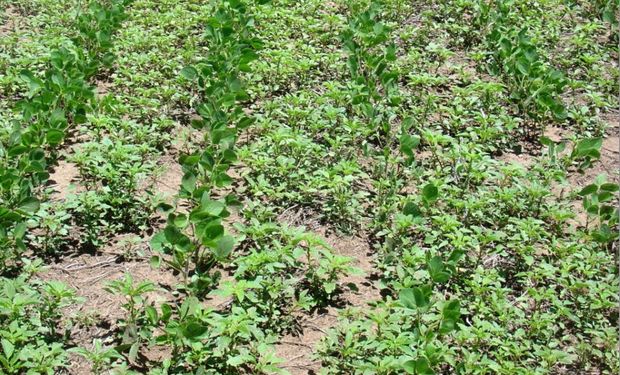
534	87
100	356
136	327
197	240
600	200
30	321
56	100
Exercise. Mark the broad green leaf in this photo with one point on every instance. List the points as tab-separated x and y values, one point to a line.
180	221
211	207
8	348
418	366
189	182
610	187
418	297
408	143
157	241
412	209
224	247
189	72
194	331
430	193
436	270
29	205
584	146
588	190
407	298
451	313
54	136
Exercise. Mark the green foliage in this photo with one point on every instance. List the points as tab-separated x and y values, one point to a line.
535	87
212	343
136	328
290	270
374	124
111	172
198	238
600	202
32	337
99	356
56	100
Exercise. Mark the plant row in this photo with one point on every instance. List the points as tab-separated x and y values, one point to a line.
34	333
57	99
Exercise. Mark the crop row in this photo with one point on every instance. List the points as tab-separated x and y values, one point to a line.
33	331
57	99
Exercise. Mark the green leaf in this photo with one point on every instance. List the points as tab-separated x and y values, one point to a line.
412	209
436	270
194	330
212	232
407	298
166	312
172	234
604	234
238	360
419	366
151	313
155	261
610	187
20	230
29	205
422	367
329	287
422	295
605	196
418	297
523	66
584	146
408	143
17	150
180	221
8	348
189	182
224	247
54	136
451	313
430	193
189	73
133	351
409	366
546	141
157	241
211	207
588	190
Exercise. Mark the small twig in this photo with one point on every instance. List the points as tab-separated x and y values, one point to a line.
306	365
106	262
296	343
97	278
288	209
314	326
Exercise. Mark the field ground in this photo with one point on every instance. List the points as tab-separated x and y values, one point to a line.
309	187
